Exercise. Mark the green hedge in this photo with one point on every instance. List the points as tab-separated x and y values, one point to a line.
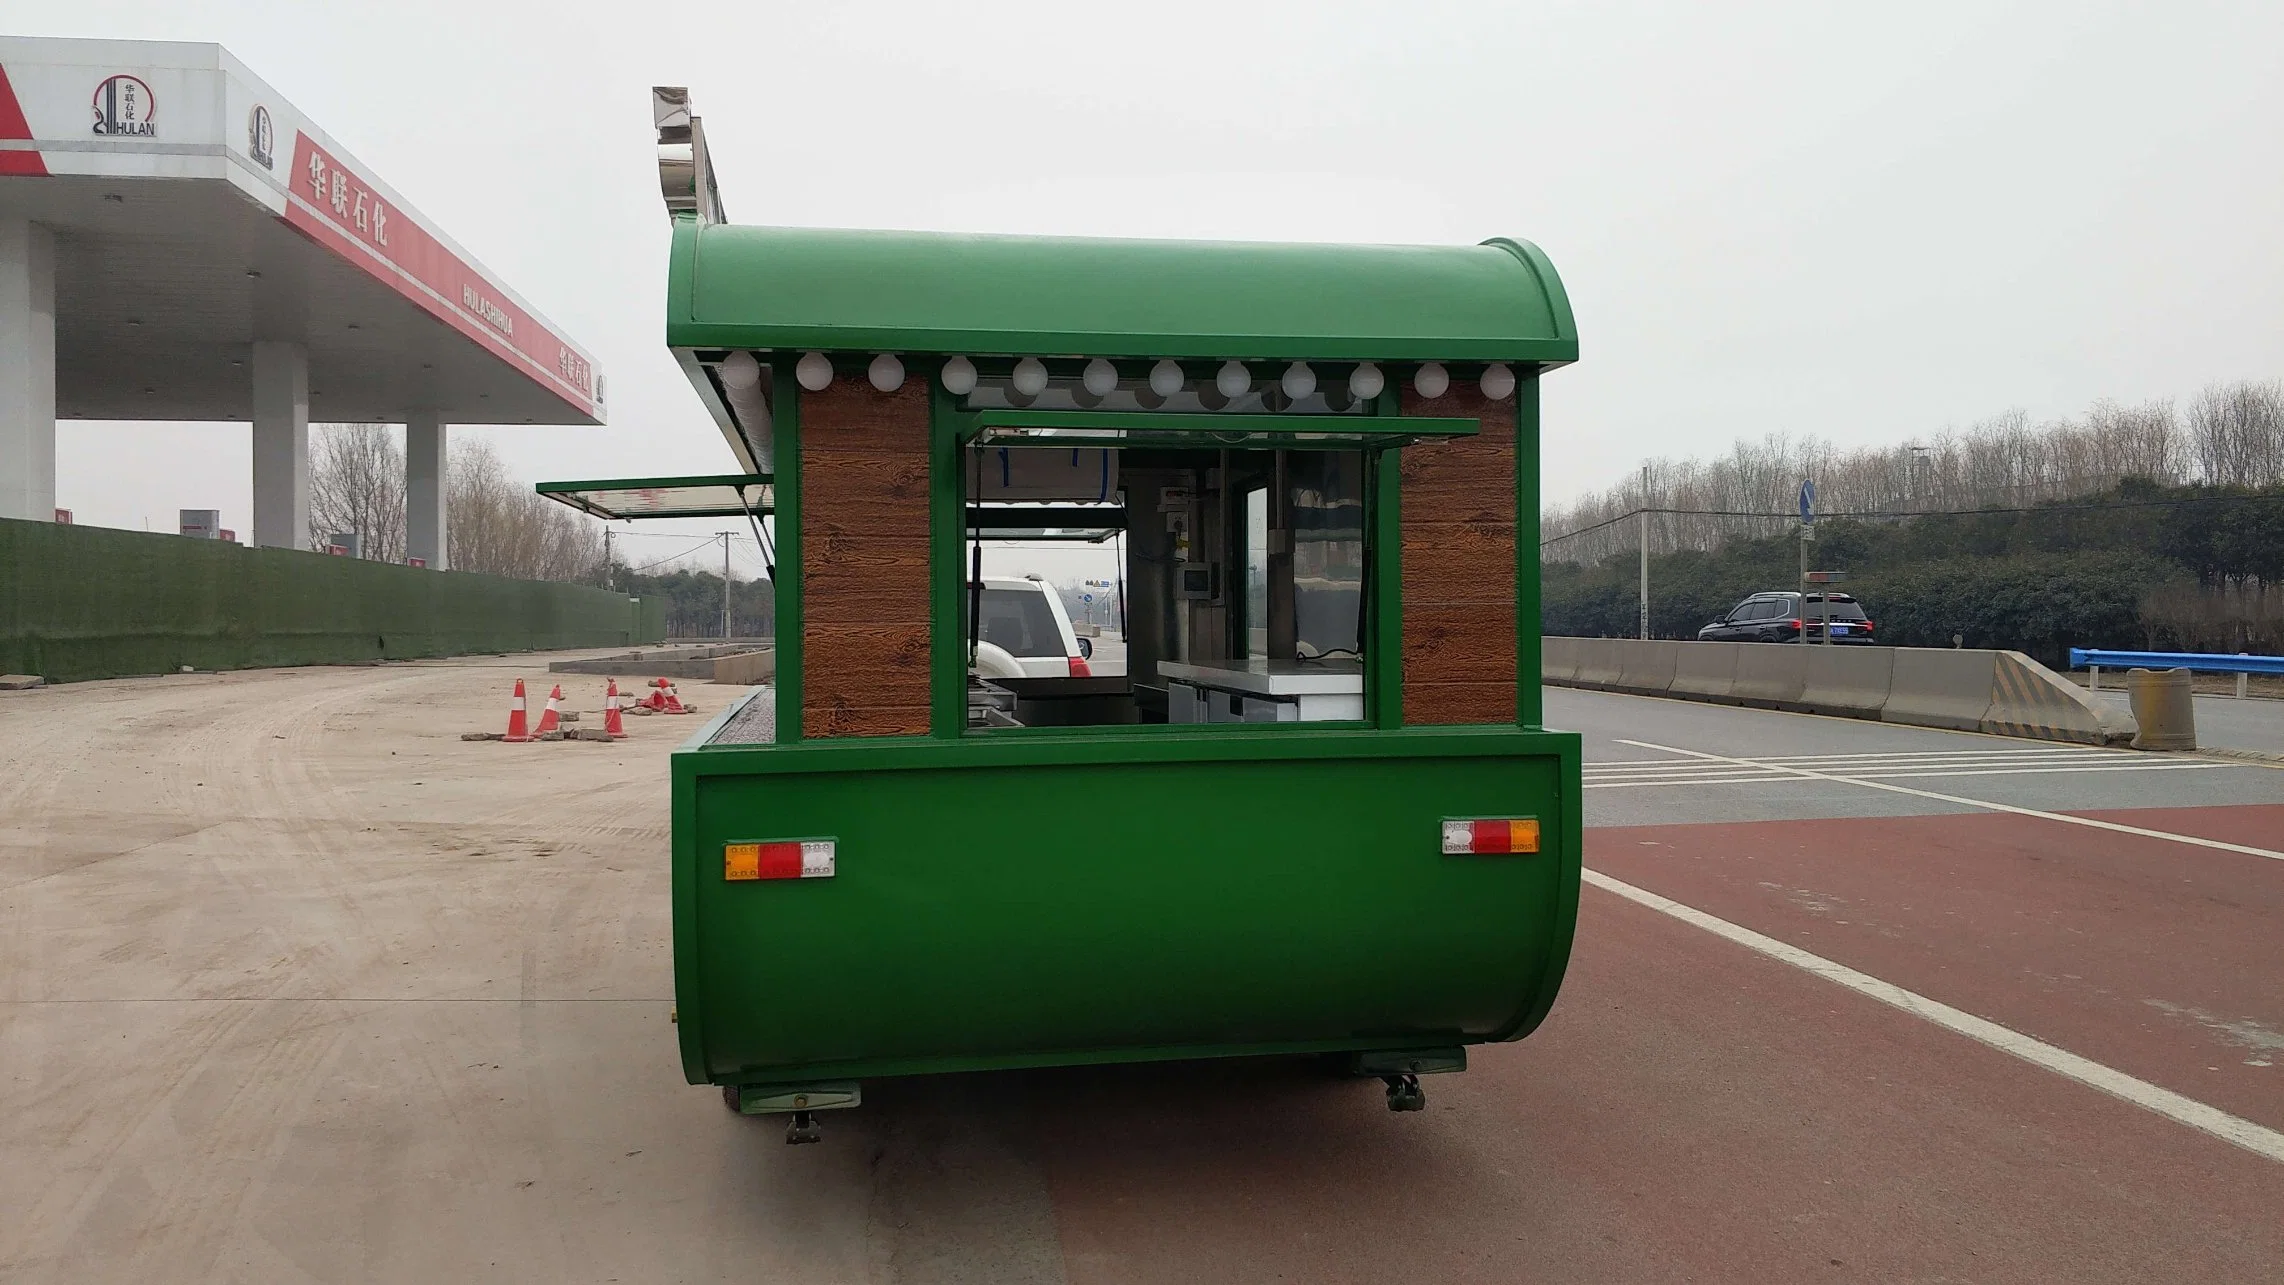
91	602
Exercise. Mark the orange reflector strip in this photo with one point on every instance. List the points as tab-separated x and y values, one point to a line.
741	861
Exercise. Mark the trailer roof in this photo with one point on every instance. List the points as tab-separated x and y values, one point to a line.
726	496
845	290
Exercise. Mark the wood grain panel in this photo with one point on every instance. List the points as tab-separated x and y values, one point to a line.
864	560
1448	703
1458	559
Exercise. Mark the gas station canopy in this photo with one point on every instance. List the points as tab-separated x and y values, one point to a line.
195	212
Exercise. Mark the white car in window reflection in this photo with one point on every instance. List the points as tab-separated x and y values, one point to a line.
1023	632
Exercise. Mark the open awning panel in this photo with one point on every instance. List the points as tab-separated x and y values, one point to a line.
628	499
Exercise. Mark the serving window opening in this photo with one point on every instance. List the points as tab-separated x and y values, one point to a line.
1171	585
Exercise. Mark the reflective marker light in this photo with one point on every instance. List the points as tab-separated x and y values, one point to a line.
1166	378
1299	380
1498	381
1431	381
1511	836
1366	381
1232	380
1030	377
808	859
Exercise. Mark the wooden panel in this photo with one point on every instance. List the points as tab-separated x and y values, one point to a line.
1446	703
864	560
1458	558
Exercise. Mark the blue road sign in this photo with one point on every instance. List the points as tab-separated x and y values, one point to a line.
1807	500
1086	597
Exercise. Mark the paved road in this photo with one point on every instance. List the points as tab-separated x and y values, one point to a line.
297	986
2254	723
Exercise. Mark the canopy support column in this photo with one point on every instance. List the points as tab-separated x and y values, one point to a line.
281	446
425	454
27	371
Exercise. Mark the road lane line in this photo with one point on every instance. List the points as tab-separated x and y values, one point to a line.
2064	817
2255	1138
1611	783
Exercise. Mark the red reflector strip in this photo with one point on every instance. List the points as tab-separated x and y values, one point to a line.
807	859
1496	837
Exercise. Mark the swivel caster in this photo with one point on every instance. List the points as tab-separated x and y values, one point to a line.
1404	1093
803	1129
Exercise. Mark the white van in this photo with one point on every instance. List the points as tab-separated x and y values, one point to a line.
1023	632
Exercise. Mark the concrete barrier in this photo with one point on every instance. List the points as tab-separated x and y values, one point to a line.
1848	681
1706	671
1936	688
1769	676
1558	659
746	668
1646	668
2028	699
1597	663
2004	693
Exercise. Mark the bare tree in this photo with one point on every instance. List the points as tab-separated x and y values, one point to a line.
496	524
356	484
2236	432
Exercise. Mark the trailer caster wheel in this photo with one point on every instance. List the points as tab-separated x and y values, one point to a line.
1404	1093
803	1129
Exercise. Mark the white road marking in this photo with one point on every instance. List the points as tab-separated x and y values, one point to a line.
2255	1138
1610	783
2063	817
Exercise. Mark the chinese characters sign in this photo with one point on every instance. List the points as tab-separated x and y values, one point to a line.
334	205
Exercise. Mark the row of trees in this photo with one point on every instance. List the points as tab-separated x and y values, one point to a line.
2231	436
2197	568
493	523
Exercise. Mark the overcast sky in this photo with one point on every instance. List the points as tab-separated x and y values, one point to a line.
1866	222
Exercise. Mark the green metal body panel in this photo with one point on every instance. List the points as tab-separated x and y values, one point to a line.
1051	900
825	288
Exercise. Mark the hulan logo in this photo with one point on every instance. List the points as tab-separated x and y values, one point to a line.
260	136
125	106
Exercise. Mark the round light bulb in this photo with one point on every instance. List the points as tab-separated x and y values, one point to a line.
1100	378
740	370
1030	377
1498	381
1299	380
814	371
1431	381
1233	379
959	376
886	372
1166	378
1366	382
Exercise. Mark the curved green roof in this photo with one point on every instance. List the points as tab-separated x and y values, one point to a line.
816	288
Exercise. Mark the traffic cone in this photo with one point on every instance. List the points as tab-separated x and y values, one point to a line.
614	723
656	701
519	729
550	719
674	701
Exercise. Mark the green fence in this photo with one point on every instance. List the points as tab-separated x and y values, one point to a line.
90	602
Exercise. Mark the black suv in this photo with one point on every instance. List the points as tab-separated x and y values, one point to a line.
1791	617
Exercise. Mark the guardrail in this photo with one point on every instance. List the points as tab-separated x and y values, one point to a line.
2004	693
2093	660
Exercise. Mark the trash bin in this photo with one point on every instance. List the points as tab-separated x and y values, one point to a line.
2162	706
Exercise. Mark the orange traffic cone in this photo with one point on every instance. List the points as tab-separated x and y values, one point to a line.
551	718
518	728
614	723
657	698
673	700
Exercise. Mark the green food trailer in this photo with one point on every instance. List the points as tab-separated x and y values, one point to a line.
1316	813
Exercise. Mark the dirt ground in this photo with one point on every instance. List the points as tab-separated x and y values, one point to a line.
297	985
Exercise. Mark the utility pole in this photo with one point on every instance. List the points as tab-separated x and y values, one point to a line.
607	533
1645	541
725	586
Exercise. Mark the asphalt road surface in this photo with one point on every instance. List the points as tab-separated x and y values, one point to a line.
296	986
